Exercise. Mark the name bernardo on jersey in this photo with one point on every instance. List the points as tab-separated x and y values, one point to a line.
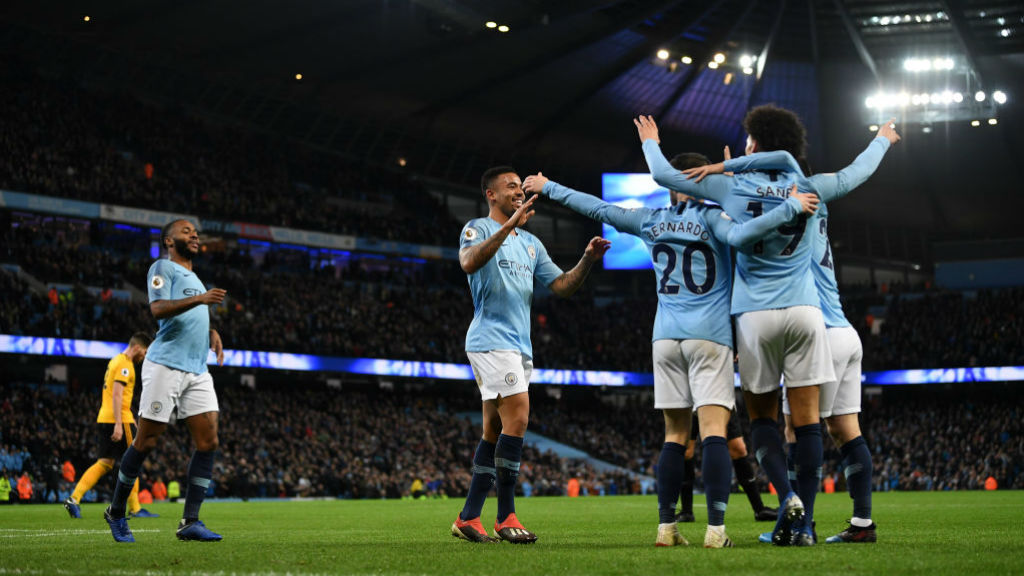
688	227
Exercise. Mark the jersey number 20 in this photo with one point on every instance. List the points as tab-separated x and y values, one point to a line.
709	267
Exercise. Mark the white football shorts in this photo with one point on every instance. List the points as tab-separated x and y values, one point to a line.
168	393
788	342
500	373
692	373
842	395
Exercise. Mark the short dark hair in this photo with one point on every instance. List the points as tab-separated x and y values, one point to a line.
142	339
490	174
688	160
776	128
165	232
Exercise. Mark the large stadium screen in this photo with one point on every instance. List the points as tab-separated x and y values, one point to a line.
629	191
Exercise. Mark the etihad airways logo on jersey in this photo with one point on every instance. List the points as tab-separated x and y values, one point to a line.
516	269
191	292
688	227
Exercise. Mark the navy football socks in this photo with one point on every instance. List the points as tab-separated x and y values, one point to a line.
484	475
858	470
670	478
717	472
767	443
507	454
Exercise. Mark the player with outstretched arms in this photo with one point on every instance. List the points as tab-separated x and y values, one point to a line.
689	244
779	324
501	261
840	401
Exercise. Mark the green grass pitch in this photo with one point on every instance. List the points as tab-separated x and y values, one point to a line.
919	533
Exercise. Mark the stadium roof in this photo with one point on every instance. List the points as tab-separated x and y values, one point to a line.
430	81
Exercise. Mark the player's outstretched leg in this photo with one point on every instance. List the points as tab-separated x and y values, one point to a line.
467	525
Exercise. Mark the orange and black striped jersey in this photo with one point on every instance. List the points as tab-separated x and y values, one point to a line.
120	369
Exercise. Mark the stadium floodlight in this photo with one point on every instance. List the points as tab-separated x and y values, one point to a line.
687	60
992	121
915	99
503	28
491	24
662	54
979	96
884	21
870	102
746	61
298	76
719	58
903	99
975	123
86	19
1005	32
713	65
873	128
999	96
925	99
748	70
958	97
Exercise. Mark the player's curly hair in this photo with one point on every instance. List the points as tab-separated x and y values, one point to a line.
688	160
776	128
490	174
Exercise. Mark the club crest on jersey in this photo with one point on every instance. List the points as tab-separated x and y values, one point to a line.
124	372
157	282
511	379
470	234
532	252
156	407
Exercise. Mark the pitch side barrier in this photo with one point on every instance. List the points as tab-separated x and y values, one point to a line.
11	344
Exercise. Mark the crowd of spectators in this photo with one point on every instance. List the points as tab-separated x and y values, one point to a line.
295	441
59	139
297	300
308	440
948	329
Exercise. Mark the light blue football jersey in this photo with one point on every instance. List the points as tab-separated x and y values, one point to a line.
776	272
182	342
503	288
689	246
830	187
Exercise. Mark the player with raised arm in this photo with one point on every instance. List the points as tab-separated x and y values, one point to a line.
840	399
501	261
780	327
175	380
692	341
116	425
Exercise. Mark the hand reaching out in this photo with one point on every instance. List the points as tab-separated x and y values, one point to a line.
808	200
646	128
888	130
534	184
597	248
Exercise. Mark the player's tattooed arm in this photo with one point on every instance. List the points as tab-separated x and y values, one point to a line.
569	282
167	308
473	258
